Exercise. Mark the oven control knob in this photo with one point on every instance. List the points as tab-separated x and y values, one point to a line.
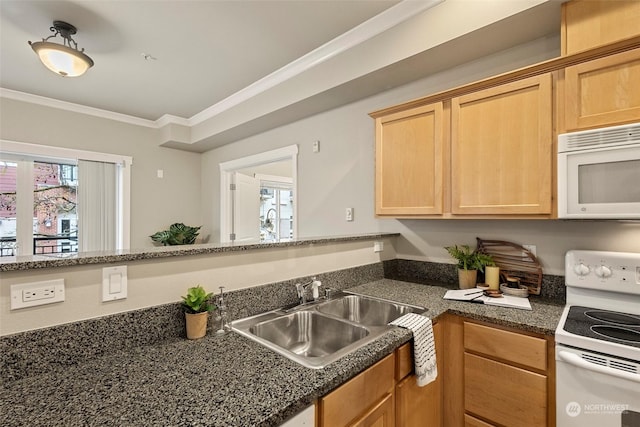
581	269
603	271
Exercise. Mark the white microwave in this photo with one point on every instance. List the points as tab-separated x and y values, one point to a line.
599	173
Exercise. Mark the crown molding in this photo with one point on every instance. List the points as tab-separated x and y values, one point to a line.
373	27
357	35
76	108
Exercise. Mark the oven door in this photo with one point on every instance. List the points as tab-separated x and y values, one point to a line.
593	390
600	183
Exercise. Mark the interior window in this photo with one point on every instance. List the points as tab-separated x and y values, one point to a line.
51	205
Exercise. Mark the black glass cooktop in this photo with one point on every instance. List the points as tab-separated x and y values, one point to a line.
612	326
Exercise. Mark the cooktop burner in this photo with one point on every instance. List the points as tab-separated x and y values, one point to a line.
612	326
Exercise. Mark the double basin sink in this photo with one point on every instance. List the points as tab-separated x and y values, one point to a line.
316	335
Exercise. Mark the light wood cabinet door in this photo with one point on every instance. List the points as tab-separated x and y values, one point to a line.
505	394
409	162
381	415
603	92
587	24
501	149
422	406
353	400
470	421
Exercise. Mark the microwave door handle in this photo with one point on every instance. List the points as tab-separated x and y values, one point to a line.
575	360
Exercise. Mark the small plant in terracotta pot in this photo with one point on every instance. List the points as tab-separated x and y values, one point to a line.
469	262
196	310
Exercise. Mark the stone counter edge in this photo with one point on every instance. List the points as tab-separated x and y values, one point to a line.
43	261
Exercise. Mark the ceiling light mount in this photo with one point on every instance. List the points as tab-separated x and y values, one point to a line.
64	59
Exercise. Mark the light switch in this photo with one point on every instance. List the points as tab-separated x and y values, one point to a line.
114	283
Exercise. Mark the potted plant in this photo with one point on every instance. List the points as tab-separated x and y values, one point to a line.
177	234
196	308
469	262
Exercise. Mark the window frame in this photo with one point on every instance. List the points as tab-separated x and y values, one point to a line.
27	152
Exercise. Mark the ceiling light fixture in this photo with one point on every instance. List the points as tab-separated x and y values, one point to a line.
64	59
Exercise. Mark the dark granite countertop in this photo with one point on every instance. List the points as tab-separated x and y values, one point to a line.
31	262
222	380
542	319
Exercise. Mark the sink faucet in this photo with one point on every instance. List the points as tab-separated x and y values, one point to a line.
301	288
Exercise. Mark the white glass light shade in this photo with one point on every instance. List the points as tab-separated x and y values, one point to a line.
61	59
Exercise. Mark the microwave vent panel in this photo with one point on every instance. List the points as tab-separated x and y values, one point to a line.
600	138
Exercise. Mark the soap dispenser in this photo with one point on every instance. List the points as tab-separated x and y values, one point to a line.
314	289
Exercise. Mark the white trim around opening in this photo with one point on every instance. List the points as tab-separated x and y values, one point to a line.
226	175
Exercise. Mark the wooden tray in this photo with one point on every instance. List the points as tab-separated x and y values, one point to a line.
514	261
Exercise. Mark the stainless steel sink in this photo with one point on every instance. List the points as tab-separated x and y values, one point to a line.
367	311
309	333
318	334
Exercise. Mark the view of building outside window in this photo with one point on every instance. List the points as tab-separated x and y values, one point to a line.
54	208
276	213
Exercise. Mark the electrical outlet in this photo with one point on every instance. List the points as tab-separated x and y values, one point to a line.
378	246
37	293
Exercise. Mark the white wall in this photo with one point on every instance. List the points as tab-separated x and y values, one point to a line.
160	281
155	203
342	175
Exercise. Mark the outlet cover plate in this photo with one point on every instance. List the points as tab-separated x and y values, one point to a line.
37	293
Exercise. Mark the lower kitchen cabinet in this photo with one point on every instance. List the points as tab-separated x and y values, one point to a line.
503	393
470	421
386	395
363	400
381	415
420	406
497	376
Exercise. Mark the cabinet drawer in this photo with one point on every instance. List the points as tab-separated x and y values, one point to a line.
504	394
353	398
510	346
404	361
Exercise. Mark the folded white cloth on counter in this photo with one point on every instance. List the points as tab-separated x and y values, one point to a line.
424	346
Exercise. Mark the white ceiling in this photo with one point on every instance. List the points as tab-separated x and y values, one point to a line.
205	50
210	50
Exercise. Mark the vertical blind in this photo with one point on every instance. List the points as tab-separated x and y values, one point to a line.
97	206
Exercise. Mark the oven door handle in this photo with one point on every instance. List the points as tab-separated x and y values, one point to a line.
576	360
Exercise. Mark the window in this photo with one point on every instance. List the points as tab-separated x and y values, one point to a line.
276	208
55	200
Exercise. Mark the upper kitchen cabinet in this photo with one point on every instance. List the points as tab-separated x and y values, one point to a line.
587	24
409	161
602	92
501	149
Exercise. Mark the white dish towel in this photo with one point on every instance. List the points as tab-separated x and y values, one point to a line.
424	347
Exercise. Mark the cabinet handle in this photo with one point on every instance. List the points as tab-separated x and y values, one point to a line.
576	360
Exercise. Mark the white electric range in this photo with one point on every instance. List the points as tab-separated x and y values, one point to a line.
598	341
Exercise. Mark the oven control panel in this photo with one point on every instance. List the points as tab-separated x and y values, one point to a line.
606	271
